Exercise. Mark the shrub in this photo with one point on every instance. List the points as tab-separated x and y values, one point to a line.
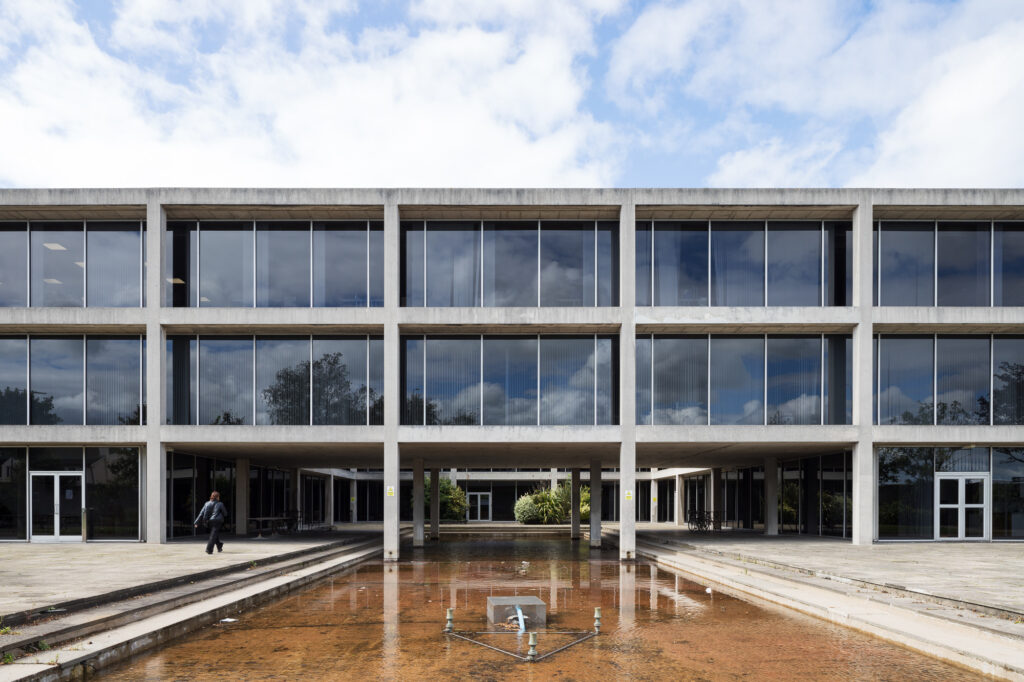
525	510
453	500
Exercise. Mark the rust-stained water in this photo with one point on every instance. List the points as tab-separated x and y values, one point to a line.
378	621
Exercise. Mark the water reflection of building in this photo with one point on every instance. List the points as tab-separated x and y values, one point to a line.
835	362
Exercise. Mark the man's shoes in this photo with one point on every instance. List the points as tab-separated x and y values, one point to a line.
209	551
220	547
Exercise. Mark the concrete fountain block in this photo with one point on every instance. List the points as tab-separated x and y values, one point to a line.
500	608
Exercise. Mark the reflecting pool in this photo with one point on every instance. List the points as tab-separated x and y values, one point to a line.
385	621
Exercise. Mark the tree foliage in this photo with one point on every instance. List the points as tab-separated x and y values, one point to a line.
453	500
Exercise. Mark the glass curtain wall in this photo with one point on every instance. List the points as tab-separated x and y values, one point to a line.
283	264
737	263
737	380
282	380
56	380
1008	380
13	264
963	263
1007	493
510	380
190	480
58	264
905	379
906	253
509	252
112	493
794	264
13	380
815	495
225	380
838	264
962	376
794	379
114	264
906	493
226	264
113	384
13	500
1008	270
680	263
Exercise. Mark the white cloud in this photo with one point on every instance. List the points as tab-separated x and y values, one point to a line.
776	164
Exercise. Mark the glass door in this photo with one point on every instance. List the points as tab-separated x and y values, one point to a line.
479	507
56	507
962	502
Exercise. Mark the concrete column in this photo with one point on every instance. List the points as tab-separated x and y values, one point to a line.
574	503
771	496
242	496
715	501
329	502
417	503
154	518
595	503
435	504
680	500
554	478
654	497
864	479
391	378
353	500
627	379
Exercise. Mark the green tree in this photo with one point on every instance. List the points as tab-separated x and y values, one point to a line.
453	504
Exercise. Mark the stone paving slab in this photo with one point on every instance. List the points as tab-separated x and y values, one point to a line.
987	573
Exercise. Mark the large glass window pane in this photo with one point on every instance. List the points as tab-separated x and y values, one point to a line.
1007	492
225	380
962	380
905	373
55	459
114	264
453	264
838	393
737	380
182	379
794	263
607	263
510	380
839	264
13	380
339	264
567	380
567	260
181	264
412	264
58	264
113	373
13	265
112	493
182	498
13	507
1008	380
681	263
225	264
962	459
907	257
643	263
1008	270
510	264
833	494
737	264
680	380
412	381
453	380
963	264
282	264
282	380
643	378
906	493
56	380
376	263
339	380
375	392
607	379
794	380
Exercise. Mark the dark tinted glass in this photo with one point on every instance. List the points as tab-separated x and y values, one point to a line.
680	380
376	380
376	262
58	264
963	264
182	367
113	375
643	378
453	380
907	257
412	264
282	264
962	380
55	459
737	380
510	380
1007	492
1008	271
962	459
794	264
567	379
13	265
13	507
607	380
839	264
1008	380
510	264
56	380
453	264
607	263
112	493
838	391
181	264
339	380
794	380
114	265
906	493
13	380
225	264
737	264
412	380
643	263
905	373
681	263
567	261
339	264
225	380
282	380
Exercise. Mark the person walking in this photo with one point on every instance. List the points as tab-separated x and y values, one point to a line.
213	514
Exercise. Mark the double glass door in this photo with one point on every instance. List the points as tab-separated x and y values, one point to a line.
479	507
961	505
56	507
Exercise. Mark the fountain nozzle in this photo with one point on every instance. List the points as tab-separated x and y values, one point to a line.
597	619
449	626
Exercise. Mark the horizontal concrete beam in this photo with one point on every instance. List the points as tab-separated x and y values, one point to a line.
64	434
509	320
968	435
74	320
773	433
729	320
938	320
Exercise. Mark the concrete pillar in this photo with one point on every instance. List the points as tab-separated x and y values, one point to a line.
865	488
627	379
241	513
574	503
595	503
435	504
654	496
771	496
391	511
554	478
627	501
417	503
353	500
680	500
392	384
329	502
154	518
293	493
715	501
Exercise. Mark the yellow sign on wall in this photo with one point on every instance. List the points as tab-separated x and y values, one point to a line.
629	495
391	491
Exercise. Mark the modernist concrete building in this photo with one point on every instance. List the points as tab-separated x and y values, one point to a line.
841	362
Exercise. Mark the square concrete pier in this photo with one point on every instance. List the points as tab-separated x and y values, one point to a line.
500	608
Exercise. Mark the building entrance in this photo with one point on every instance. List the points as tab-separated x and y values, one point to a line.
479	507
962	502
56	507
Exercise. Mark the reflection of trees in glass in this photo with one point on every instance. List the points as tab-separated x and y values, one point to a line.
905	480
131	420
336	401
12	400
945	413
434	416
1008	396
228	418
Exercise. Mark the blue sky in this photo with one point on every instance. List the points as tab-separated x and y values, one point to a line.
672	93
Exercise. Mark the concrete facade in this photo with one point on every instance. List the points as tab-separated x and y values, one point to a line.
626	446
